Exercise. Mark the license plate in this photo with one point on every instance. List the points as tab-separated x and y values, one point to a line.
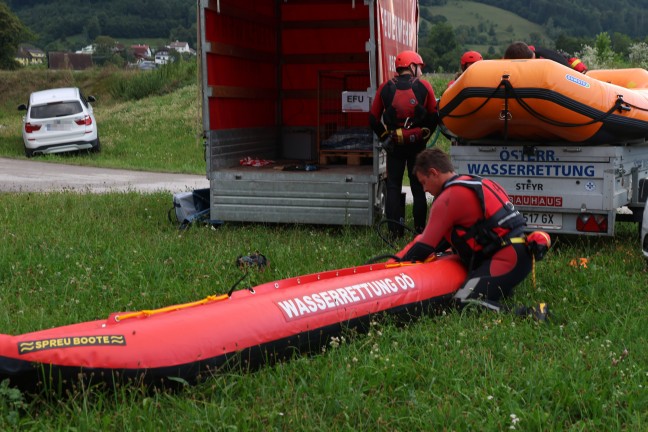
59	126
543	220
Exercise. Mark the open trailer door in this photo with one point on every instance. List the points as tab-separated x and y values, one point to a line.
288	84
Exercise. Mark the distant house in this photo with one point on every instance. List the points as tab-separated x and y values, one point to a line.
69	60
90	49
141	51
162	57
29	55
181	47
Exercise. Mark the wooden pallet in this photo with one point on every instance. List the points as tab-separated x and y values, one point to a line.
357	157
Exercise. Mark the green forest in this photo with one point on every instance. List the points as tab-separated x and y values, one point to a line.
56	21
447	27
65	24
584	18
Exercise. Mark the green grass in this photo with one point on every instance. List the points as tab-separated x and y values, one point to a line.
161	132
67	257
457	371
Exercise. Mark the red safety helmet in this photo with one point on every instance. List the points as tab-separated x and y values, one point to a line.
469	58
407	58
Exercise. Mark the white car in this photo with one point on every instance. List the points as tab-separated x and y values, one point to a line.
59	120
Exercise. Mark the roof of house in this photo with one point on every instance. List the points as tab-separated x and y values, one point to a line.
28	51
177	44
141	50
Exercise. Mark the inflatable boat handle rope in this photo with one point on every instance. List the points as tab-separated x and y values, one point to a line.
149	312
619	105
216	298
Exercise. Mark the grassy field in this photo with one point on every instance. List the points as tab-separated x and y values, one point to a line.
586	370
161	132
508	26
66	257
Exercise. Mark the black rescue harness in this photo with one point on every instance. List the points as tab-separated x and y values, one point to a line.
501	226
404	101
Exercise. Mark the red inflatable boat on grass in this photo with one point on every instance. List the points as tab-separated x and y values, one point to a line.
249	328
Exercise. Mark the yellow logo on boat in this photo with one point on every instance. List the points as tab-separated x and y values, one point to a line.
69	342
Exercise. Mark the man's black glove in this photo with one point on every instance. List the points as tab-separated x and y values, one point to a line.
418	252
539	243
387	144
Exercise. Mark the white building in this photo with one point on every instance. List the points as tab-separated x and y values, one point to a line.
162	57
90	49
181	47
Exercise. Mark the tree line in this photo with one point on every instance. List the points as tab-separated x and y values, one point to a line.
585	18
55	22
442	52
441	43
56	25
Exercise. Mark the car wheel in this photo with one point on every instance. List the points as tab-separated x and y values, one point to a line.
29	152
97	147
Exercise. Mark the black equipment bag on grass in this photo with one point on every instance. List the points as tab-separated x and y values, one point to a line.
190	207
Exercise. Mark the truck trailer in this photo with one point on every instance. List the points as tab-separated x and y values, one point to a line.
286	89
571	149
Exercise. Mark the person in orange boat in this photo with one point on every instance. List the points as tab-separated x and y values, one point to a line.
403	115
520	50
473	216
467	59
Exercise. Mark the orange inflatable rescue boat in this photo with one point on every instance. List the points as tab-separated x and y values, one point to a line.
249	327
541	100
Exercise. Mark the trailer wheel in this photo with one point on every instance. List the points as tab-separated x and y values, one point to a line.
643	189
637	216
639	211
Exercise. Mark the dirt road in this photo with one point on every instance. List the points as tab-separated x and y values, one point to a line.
33	176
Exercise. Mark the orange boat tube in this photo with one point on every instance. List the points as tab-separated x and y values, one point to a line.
249	328
541	100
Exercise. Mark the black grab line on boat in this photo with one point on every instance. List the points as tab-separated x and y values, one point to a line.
548	95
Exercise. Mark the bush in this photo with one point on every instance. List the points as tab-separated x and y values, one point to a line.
139	84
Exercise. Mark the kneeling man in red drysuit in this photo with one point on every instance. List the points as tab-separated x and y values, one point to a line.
475	217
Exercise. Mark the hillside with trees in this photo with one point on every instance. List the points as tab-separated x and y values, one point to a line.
447	29
65	24
56	22
584	18
450	27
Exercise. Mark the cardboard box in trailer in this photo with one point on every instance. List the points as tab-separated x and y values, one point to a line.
286	90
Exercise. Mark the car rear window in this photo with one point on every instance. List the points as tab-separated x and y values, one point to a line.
57	109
